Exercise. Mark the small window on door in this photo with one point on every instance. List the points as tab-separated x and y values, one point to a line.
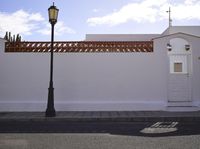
178	67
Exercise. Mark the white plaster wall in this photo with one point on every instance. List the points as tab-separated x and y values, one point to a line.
195	70
23	81
178	46
192	30
179	54
120	37
84	81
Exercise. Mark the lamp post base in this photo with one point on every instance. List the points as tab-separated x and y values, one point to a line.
50	111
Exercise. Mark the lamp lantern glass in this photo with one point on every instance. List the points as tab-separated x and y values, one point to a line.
53	14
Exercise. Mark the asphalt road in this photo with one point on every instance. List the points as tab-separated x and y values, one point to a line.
96	141
92	135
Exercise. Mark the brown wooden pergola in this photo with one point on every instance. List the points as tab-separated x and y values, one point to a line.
81	46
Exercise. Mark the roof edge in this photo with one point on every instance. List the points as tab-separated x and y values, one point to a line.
175	34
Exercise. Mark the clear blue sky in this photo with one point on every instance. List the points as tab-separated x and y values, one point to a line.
79	17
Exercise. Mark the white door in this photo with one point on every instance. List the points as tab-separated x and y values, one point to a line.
179	83
179	88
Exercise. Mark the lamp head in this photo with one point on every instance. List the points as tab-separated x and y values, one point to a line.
53	14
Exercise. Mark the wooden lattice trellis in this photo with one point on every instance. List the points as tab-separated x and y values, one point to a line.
81	46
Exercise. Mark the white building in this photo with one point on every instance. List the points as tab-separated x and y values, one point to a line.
166	78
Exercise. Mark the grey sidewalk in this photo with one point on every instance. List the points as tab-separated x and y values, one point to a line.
110	116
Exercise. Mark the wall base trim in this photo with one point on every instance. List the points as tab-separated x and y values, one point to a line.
78	106
186	108
183	106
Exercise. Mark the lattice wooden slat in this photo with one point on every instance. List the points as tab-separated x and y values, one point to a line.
81	46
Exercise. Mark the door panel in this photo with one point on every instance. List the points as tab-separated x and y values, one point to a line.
179	88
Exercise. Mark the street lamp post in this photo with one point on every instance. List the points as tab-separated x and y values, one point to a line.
53	15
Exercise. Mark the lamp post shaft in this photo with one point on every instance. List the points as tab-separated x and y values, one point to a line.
50	111
52	41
